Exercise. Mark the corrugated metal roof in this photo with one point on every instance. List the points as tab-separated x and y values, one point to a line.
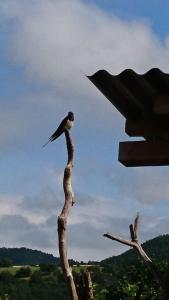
133	94
144	101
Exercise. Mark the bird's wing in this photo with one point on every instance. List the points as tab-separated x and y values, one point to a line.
58	132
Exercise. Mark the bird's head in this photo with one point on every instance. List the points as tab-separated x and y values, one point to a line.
71	116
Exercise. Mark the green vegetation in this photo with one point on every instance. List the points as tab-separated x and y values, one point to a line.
33	287
110	282
13	270
123	277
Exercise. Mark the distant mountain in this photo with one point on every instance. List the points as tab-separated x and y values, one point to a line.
157	249
25	256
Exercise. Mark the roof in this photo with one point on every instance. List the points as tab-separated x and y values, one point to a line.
134	95
143	99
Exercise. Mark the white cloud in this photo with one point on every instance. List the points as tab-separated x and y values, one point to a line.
56	42
148	185
30	221
9	204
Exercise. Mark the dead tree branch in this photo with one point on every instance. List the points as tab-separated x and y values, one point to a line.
84	286
89	286
134	243
62	219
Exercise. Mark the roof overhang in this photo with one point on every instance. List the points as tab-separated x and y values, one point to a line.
143	100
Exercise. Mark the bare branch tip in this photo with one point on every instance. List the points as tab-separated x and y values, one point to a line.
137	216
136	222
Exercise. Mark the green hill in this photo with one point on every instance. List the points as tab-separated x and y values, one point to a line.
25	256
157	249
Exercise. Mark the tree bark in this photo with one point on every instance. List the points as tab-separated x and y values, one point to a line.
62	218
89	286
84	286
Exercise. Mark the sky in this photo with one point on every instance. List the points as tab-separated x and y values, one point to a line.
47	48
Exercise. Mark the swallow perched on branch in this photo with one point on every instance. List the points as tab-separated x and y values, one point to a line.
66	124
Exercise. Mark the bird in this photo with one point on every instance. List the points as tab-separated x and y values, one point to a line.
66	124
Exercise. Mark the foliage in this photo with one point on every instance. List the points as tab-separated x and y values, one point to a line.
4	263
35	287
124	277
47	268
23	272
122	282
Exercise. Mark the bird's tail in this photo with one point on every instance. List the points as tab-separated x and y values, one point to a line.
46	143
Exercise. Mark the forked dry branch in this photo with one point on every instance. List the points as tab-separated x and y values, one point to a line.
134	243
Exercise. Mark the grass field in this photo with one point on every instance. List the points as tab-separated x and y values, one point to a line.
13	270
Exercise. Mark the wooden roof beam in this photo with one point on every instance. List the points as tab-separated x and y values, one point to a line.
144	153
152	128
161	104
